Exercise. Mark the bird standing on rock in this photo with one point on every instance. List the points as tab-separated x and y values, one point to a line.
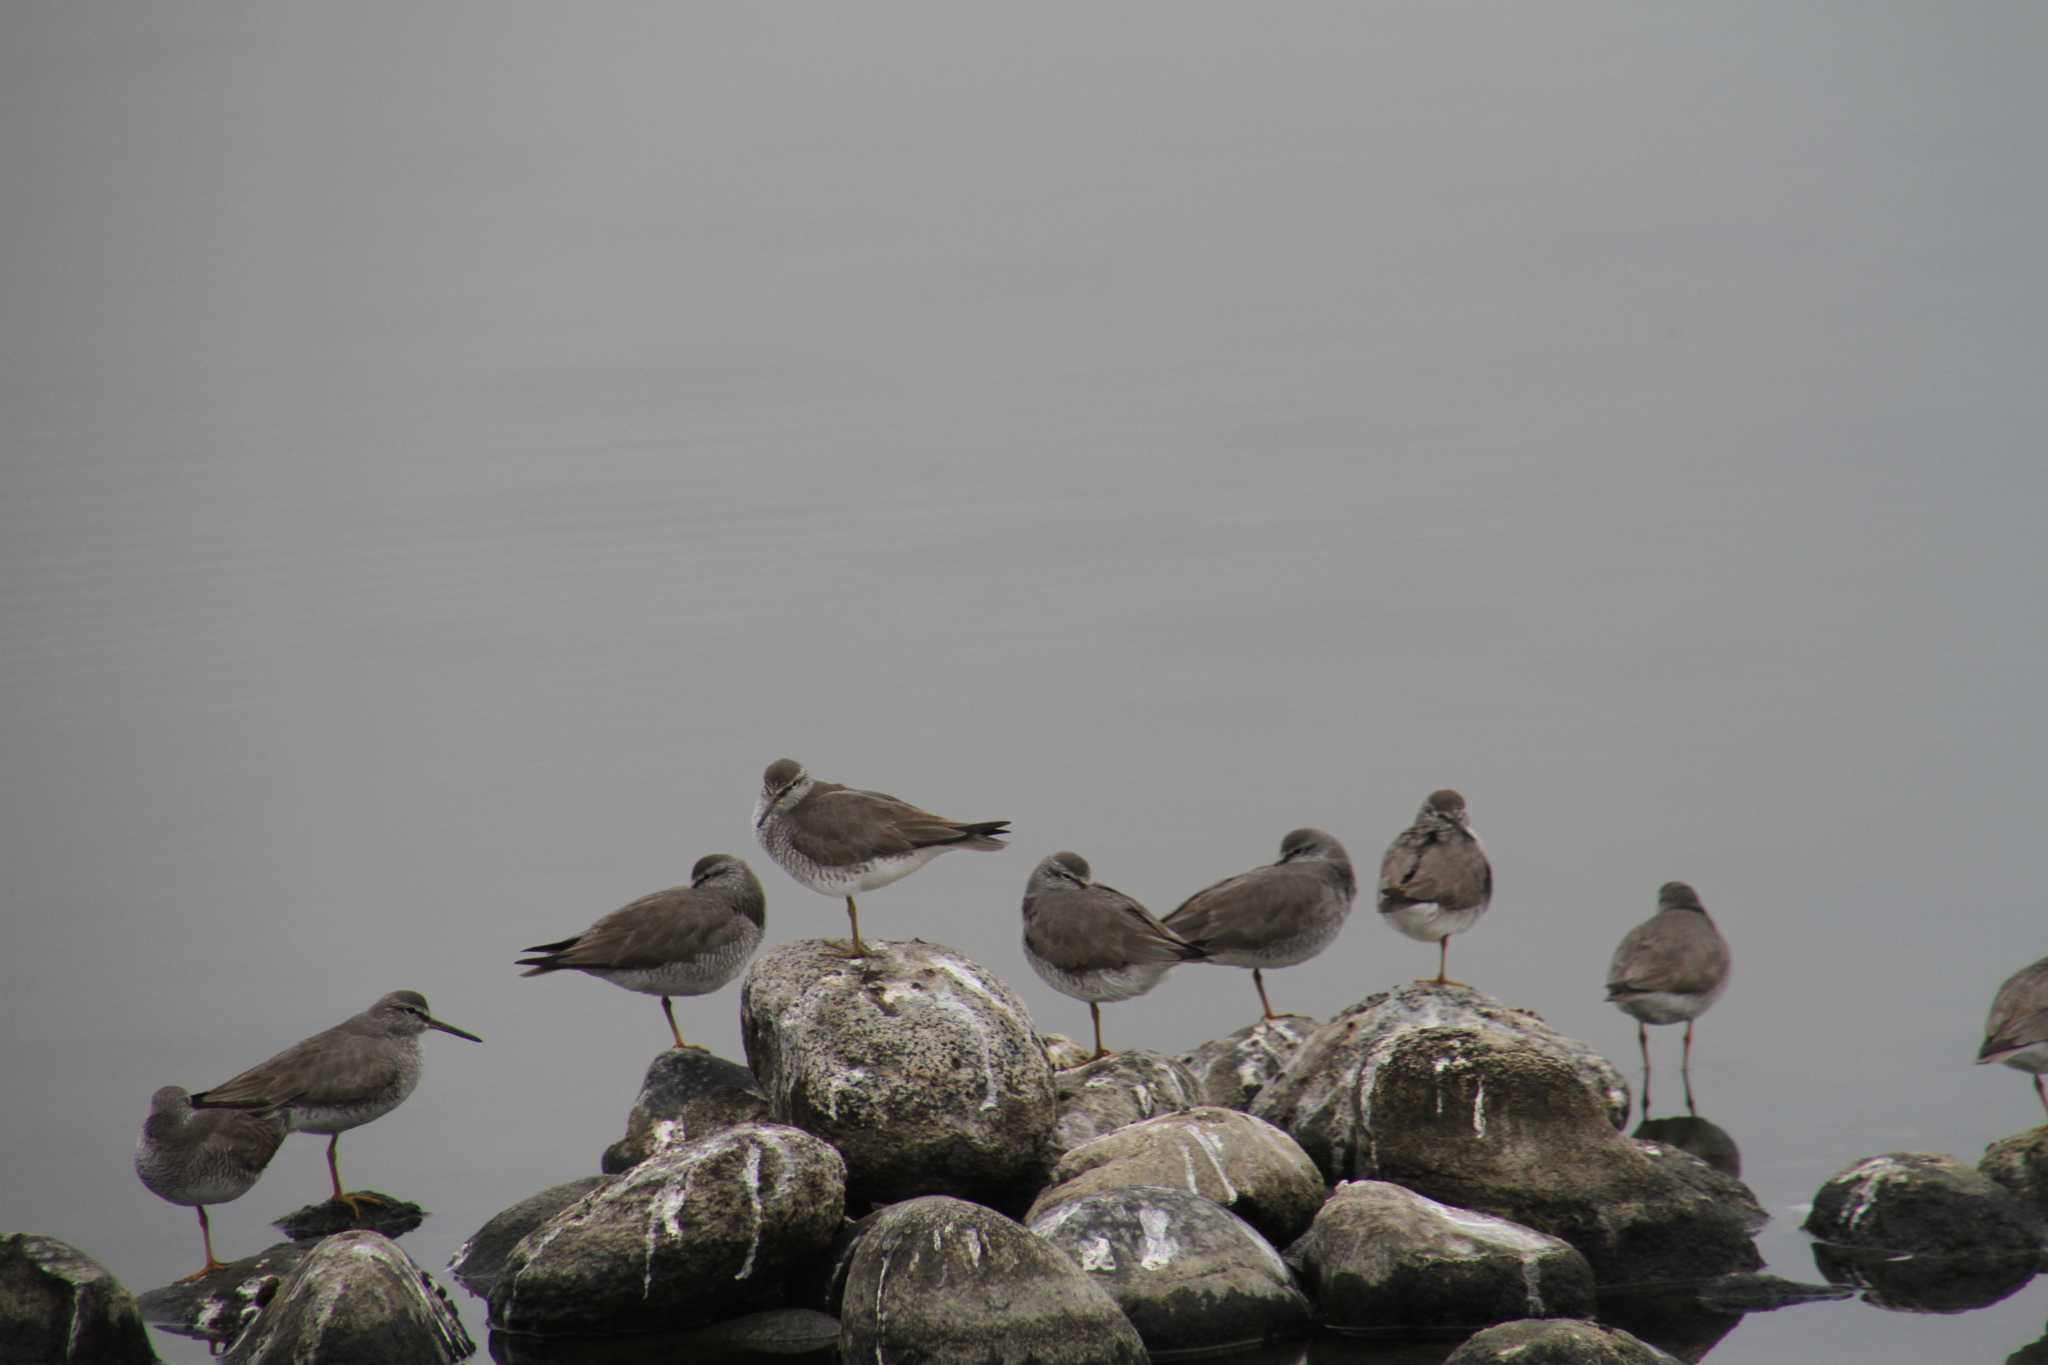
1273	916
1093	942
2016	1033
196	1157
838	840
340	1078
1435	880
1669	969
686	940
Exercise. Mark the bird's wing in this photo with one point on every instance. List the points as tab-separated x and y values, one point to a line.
330	1066
655	930
2019	1012
1424	866
837	825
1676	950
1251	909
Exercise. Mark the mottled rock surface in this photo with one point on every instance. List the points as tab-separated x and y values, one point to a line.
479	1262
218	1307
703	1231
916	1062
356	1299
1122	1088
388	1216
1919	1202
1231	1159
1232	1070
1557	1341
686	1094
2020	1164
939	1281
1188	1274
59	1304
1380	1256
1064	1052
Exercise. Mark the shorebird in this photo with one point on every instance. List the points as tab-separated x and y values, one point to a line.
340	1078
1093	942
838	840
1273	916
196	1158
1435	880
1669	969
2017	1031
687	940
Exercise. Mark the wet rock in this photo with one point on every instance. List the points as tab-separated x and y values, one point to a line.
917	1063
938	1281
1381	1256
1917	1202
59	1304
1188	1274
386	1216
218	1307
1122	1088
1484	1120
1926	1282
356	1299
1231	1159
1063	1052
685	1095
481	1260
2020	1164
1690	1133
1232	1070
702	1231
1318	1097
1556	1341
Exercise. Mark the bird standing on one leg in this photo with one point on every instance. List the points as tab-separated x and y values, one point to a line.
200	1157
1273	916
1668	970
2016	1033
1435	880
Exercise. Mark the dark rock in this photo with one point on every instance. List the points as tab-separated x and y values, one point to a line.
686	1094
1232	1070
477	1265
59	1304
1379	1256
1241	1163
1762	1293
218	1307
2020	1164
387	1216
1926	1282
1556	1341
1063	1052
917	1063
2034	1354
356	1299
1122	1088
1690	1133
1918	1202
820	1283
938	1281
1188	1274
748	1339
703	1231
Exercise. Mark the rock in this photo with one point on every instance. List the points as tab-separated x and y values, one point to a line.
1479	1118
2020	1164
1063	1052
1122	1088
687	1094
1556	1341
356	1299
1380	1256
748	1339
915	1062
1690	1133
59	1304
1232	1070
218	1307
1926	1282
1317	1098
386	1216
1188	1274
1917	1202
1231	1159
939	1281
479	1262
702	1231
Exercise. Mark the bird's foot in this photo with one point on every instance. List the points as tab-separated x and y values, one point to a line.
201	1273
1441	981
355	1199
840	948
689	1047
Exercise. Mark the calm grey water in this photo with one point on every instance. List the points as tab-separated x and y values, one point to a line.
448	454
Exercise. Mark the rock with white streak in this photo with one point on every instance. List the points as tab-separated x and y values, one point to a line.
1232	1070
916	1062
1244	1164
1380	1256
1188	1274
356	1299
1122	1088
478	1263
703	1231
58	1304
1557	1341
1920	1203
939	1281
687	1094
217	1307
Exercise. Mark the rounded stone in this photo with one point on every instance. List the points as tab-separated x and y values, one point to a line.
1188	1274
1557	1341
1123	1088
1232	1070
218	1307
687	1094
1921	1203
59	1304
356	1299
478	1263
2020	1164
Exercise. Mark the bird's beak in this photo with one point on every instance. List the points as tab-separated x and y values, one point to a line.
432	1022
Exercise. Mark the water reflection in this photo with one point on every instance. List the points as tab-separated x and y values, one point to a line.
1705	1139
1923	1283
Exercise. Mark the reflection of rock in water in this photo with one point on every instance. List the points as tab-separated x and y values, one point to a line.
793	1334
1708	1141
1687	1319
1925	1283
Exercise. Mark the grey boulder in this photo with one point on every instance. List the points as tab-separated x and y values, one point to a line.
1122	1088
916	1062
2020	1164
1921	1203
1188	1274
1380	1256
478	1263
59	1304
1231	1159
703	1231
686	1094
939	1281
356	1299
1232	1070
1557	1341
218	1307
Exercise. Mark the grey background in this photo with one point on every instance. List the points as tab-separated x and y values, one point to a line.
450	450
